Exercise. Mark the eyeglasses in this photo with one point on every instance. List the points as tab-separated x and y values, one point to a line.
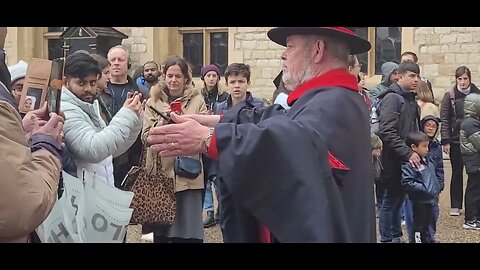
17	88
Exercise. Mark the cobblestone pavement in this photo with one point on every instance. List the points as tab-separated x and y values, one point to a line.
449	228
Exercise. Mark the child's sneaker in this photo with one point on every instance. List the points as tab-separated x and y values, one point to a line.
471	225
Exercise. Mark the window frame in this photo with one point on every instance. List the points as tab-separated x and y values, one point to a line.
206	31
49	36
407	44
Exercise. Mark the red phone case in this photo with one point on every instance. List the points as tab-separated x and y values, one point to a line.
176	106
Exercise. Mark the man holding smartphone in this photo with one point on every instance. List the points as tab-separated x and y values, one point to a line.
30	150
92	143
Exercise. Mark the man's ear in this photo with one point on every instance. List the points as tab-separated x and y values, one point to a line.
318	51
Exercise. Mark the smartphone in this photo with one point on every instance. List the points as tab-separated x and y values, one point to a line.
55	86
53	101
164	116
176	106
58	65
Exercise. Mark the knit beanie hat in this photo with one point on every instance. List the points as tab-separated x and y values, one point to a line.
209	68
18	71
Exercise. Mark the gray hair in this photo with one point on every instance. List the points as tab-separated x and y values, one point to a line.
336	48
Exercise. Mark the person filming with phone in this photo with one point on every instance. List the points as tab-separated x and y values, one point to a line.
30	150
92	143
175	94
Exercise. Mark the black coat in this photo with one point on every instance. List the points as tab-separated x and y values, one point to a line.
399	115
276	168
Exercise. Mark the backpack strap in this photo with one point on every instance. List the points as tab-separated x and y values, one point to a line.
451	93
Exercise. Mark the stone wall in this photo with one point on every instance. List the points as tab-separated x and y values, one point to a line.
262	55
136	42
443	49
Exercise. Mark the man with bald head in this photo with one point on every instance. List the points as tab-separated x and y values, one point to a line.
114	97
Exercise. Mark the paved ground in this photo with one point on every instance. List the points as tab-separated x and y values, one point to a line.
449	229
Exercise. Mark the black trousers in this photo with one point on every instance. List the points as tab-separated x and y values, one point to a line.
422	217
456	183
472	197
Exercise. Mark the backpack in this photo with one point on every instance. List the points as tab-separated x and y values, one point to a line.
375	112
451	93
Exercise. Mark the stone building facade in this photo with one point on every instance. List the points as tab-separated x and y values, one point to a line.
440	49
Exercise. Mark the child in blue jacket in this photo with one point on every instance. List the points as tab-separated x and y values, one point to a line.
422	186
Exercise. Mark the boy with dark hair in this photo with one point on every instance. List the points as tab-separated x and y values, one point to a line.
422	186
237	78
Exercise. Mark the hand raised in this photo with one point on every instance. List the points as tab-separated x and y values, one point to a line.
182	138
53	128
133	102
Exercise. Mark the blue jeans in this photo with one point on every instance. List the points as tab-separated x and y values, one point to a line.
389	217
208	201
432	229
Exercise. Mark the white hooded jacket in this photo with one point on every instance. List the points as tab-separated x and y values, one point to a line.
92	143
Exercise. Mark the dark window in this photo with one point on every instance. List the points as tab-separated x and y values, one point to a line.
219	50
388	44
363	58
193	51
55	44
56	29
55	48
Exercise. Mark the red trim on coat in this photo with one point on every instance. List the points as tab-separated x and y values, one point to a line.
334	78
336	163
264	234
212	148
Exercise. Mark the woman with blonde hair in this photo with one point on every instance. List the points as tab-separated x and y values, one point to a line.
426	101
188	225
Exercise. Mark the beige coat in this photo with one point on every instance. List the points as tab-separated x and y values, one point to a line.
29	181
428	108
192	103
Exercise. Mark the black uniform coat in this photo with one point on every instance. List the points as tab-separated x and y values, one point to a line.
305	174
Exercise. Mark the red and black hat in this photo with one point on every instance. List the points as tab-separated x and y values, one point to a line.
357	44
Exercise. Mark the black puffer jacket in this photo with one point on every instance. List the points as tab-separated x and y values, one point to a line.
399	115
452	118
